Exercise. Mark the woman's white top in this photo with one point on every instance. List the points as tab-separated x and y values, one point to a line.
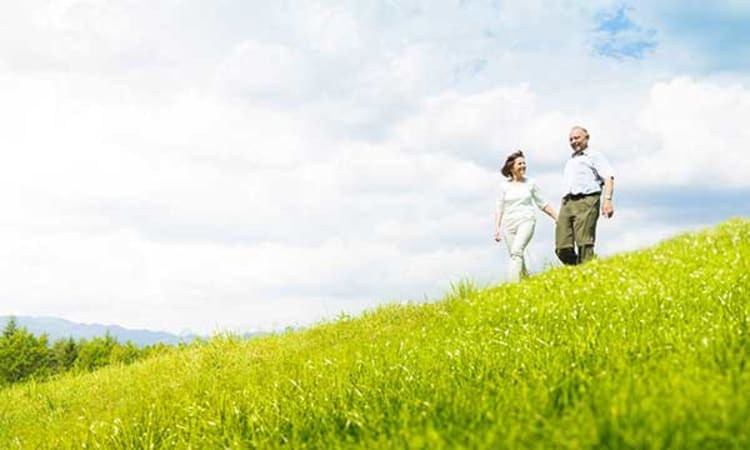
518	200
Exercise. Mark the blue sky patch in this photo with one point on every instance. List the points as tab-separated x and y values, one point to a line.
687	205
718	36
619	37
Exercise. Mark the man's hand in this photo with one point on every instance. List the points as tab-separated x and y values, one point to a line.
607	209
498	236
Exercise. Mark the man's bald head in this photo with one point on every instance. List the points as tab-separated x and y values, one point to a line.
580	128
578	138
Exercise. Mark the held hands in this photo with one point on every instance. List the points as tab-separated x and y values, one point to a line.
607	209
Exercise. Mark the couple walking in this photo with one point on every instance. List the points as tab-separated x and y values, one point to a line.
586	175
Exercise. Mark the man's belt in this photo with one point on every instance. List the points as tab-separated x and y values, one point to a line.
580	196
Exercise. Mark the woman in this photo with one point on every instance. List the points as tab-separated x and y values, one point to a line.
514	216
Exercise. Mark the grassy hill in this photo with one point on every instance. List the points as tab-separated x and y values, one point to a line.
643	350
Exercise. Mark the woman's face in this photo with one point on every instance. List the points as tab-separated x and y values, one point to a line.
518	169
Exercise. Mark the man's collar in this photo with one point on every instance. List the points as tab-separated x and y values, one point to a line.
581	153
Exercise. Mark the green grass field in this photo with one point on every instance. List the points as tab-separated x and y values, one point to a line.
642	350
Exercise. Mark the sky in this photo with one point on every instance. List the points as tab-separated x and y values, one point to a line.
244	166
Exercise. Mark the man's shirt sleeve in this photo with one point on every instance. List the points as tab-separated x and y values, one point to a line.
602	166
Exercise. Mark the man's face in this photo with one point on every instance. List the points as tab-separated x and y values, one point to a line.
579	140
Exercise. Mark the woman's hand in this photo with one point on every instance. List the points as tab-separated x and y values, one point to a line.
498	236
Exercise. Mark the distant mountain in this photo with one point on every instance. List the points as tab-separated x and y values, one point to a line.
61	328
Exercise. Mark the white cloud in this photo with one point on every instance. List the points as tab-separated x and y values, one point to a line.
330	31
258	69
702	136
485	127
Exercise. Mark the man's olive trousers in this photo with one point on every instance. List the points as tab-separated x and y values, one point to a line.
576	228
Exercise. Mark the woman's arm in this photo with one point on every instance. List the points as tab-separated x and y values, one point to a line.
498	222
499	210
536	196
550	211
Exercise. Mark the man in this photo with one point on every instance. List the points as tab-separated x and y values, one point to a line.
587	174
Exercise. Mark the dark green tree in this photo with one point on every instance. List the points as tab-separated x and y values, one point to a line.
10	327
96	352
63	355
125	353
22	355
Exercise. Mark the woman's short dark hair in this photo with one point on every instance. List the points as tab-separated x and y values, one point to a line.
509	163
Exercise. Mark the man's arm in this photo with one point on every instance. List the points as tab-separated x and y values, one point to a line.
602	167
609	188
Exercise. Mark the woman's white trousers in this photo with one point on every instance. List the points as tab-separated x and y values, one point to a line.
517	236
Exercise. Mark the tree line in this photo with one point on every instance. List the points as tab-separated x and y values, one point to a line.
24	356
